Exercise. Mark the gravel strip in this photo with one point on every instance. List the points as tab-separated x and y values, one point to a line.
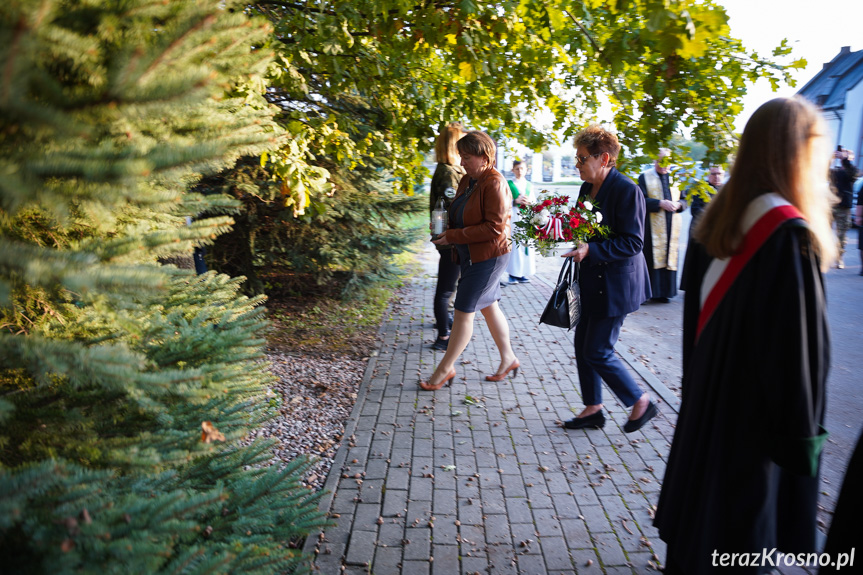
317	395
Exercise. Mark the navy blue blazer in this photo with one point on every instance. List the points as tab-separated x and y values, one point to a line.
614	278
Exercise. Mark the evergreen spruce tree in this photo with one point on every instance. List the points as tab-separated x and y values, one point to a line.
126	386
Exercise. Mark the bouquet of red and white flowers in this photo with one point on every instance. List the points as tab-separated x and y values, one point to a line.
552	223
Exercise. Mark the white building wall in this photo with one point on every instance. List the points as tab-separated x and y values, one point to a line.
852	122
536	169
833	127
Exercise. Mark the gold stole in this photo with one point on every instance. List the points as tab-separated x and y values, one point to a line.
664	252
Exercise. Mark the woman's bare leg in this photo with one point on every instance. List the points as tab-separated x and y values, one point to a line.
499	328
459	337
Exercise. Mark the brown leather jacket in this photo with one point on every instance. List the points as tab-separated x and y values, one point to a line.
487	216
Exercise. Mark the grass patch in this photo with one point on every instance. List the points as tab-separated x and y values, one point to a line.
318	321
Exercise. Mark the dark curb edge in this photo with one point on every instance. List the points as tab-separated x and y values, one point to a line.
329	488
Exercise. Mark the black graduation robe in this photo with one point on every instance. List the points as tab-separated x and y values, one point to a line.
742	474
845	532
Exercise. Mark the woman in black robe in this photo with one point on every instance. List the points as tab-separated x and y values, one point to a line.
742	475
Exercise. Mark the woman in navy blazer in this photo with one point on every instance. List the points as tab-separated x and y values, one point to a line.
613	281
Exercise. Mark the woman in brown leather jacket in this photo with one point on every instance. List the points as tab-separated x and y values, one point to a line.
479	229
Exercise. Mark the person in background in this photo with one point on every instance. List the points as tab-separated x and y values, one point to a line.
842	178
742	474
715	176
479	230
858	220
447	175
697	204
613	282
522	261
661	227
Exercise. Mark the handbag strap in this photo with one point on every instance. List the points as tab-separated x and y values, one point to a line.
565	271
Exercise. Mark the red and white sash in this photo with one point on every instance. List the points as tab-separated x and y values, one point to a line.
762	217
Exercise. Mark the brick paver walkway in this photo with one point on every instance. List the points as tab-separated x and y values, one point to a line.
478	477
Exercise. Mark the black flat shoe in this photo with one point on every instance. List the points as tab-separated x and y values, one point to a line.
592	421
635	424
440	344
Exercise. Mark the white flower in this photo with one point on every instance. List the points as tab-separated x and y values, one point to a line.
540	219
587	205
599	217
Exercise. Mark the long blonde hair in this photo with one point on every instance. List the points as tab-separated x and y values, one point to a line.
445	151
783	150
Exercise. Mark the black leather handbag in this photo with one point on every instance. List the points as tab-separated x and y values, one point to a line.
564	307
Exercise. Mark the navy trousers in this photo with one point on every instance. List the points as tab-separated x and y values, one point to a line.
594	357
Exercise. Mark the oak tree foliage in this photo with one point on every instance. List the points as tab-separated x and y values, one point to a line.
365	86
372	78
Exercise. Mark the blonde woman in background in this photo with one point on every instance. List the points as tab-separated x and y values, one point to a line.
447	175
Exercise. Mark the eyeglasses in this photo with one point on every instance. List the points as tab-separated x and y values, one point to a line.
583	159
